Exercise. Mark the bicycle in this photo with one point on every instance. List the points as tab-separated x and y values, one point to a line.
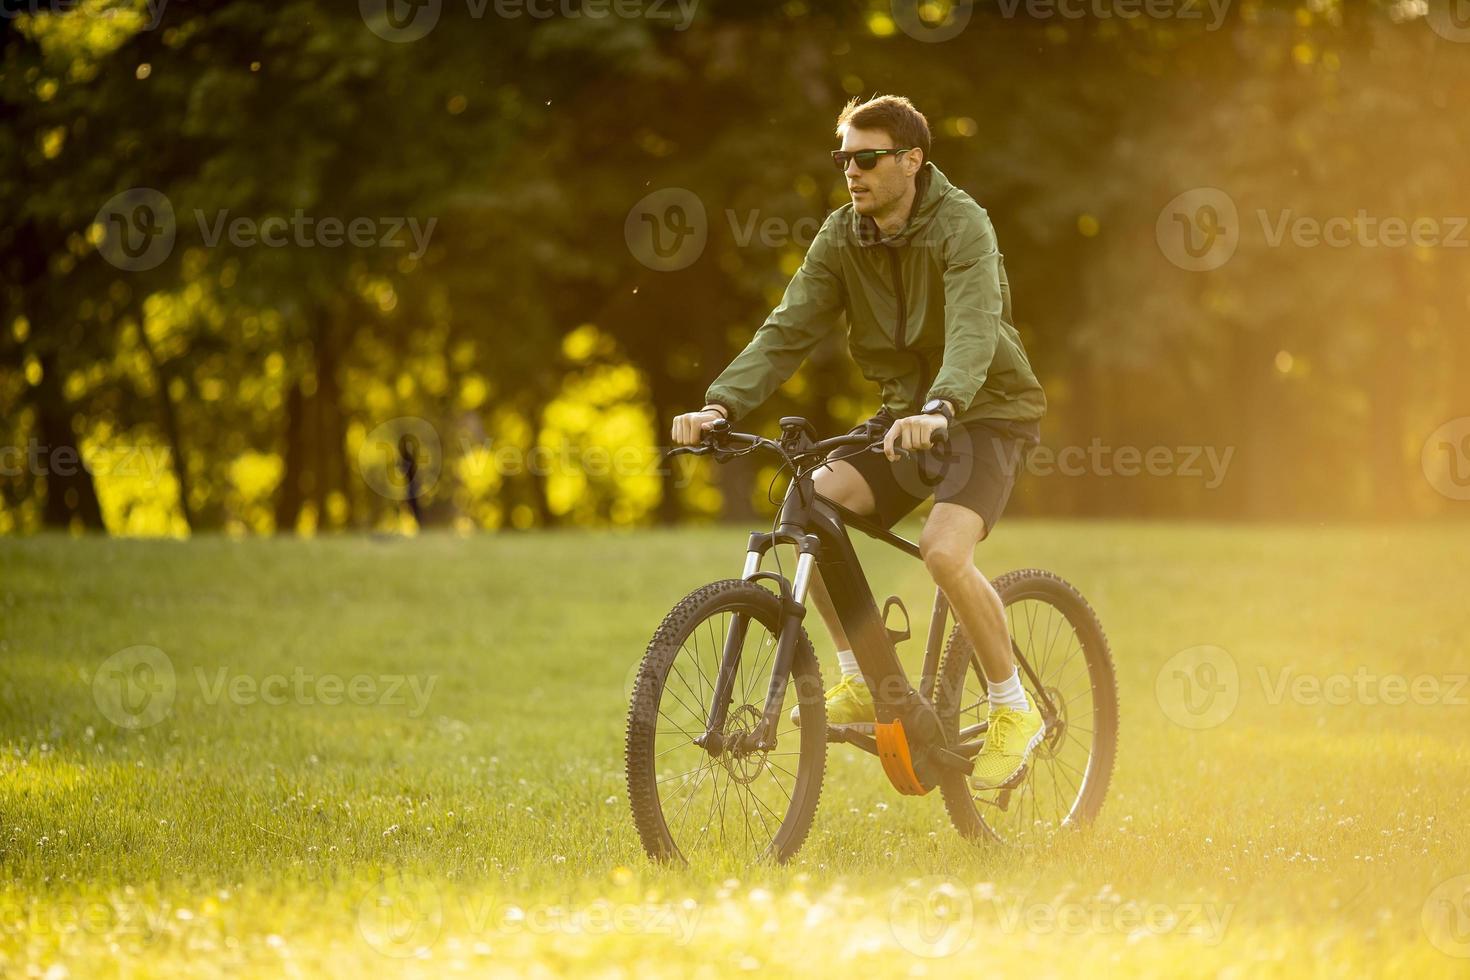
708	724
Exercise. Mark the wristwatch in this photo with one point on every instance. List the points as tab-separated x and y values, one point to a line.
938	406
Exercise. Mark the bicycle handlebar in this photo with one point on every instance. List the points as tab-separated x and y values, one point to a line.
716	440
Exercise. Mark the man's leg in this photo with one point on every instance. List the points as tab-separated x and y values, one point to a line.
948	546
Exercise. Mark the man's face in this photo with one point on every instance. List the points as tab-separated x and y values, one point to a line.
875	191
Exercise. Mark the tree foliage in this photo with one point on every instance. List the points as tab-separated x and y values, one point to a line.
238	385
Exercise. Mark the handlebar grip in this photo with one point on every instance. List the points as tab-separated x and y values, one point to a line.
939	437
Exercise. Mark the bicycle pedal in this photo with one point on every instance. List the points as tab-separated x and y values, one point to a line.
857	728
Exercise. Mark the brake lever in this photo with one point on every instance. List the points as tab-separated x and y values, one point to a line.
689	450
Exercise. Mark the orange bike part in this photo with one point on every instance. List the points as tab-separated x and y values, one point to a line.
893	751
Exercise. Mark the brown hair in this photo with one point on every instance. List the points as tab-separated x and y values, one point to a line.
892	114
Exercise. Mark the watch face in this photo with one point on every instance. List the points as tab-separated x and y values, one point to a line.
935	405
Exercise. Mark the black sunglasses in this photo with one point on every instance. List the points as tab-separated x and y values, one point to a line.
866	159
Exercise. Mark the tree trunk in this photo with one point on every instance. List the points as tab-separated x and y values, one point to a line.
168	415
670	507
70	492
327	417
289	496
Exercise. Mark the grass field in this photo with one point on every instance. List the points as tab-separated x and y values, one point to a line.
463	808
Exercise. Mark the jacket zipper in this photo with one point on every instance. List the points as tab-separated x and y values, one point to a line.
900	334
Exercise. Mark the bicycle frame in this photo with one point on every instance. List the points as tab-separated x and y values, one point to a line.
908	736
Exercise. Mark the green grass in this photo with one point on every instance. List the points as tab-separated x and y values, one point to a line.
1296	837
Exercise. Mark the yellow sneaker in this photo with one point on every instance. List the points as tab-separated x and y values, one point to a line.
849	703
1012	737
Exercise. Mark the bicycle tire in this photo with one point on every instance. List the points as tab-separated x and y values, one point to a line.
653	680
963	804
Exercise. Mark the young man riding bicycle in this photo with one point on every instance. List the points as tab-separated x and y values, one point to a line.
914	265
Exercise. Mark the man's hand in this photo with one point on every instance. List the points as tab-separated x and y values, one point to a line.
690	427
913	433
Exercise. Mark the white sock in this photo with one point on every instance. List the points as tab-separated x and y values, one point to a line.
1008	693
847	660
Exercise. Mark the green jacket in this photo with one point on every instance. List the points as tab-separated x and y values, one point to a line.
928	314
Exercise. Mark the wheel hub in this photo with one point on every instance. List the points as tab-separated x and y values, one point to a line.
743	763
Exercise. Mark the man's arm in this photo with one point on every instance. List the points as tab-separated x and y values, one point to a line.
972	314
807	313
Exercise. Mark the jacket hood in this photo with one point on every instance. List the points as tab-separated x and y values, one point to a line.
932	187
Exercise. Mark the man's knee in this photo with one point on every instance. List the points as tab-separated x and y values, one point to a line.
946	560
948	542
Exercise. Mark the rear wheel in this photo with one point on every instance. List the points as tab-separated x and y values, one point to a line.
740	806
1065	783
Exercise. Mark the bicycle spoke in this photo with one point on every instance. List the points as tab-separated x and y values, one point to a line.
673	748
755	796
696	697
694	792
1051	638
687	734
1083	661
687	772
778	782
692	713
1074	646
760	663
1068	767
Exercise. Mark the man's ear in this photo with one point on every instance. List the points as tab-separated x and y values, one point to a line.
912	161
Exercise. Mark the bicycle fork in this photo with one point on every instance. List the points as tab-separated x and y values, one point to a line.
793	611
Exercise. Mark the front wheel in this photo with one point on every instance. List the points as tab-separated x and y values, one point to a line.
739	806
1058	634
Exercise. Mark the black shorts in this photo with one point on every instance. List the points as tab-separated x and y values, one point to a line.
977	470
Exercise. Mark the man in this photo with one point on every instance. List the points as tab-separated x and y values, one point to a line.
913	264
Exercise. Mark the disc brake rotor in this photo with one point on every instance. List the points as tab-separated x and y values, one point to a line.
742	765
